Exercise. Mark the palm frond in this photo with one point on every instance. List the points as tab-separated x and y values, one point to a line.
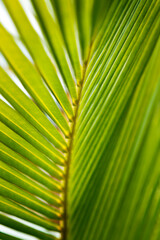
80	120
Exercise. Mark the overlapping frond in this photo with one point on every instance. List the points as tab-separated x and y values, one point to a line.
80	146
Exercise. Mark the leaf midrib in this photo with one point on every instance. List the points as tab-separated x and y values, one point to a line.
69	156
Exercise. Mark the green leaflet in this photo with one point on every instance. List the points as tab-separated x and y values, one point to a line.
112	71
93	126
66	15
8	237
114	165
84	16
23	147
19	124
9	222
8	190
23	165
99	14
31	79
29	110
8	206
40	57
20	180
54	37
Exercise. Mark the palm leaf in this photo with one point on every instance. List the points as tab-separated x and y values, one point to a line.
80	120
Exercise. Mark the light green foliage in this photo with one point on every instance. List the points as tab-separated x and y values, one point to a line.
80	153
